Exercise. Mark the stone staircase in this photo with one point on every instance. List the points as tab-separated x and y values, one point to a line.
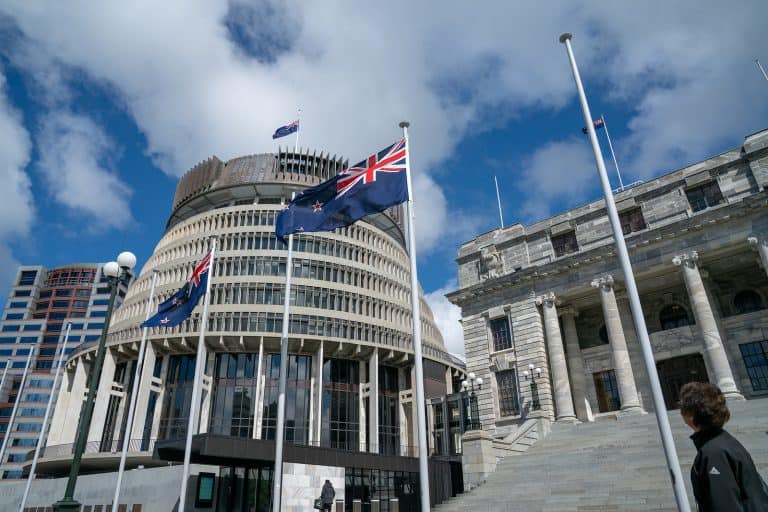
609	465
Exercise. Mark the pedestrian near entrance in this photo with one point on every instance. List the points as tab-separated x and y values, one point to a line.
723	476
327	495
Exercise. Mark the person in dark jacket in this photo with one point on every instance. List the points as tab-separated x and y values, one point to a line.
723	476
327	495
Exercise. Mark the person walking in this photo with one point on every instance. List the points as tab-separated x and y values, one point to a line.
723	476
327	495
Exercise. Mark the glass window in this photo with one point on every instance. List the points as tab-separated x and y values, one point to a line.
60	303
672	316
501	333
17	457
565	244
704	196
756	361
25	442
64	292
11	328
101	302
33	327
509	401
28	339
298	392
7	340
178	397
82	292
98	314
389	405
233	403
80	304
341	404
27	277
607	391
17	305
96	325
6	352
14	316
22	293
632	220
747	301
45	294
22	352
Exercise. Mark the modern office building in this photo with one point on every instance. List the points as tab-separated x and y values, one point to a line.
40	304
350	413
547	321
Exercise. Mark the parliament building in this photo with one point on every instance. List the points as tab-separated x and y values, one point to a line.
350	414
546	318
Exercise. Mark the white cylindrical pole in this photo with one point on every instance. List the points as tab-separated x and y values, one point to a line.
194	406
134	393
298	129
277	484
498	200
18	401
760	66
5	372
613	155
421	419
667	441
41	437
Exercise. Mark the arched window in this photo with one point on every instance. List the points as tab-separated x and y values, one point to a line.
747	301
672	316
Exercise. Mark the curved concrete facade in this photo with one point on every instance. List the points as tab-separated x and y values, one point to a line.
350	316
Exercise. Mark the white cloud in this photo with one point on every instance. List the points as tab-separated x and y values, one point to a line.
447	317
682	69
74	158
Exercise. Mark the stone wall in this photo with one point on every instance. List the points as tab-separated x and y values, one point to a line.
302	484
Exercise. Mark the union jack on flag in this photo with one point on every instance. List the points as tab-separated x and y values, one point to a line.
371	186
391	159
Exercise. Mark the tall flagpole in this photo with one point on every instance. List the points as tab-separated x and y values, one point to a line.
416	321
498	200
757	61
673	465
615	162
41	437
277	476
19	399
194	407
135	392
298	129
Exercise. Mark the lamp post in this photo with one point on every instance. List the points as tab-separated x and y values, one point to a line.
533	373
468	386
116	272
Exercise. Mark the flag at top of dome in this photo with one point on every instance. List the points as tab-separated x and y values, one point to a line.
371	186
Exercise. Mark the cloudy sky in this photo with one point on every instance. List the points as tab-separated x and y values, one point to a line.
104	105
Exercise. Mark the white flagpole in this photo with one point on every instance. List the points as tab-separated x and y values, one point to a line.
757	61
668	443
54	389
135	392
194	406
19	399
5	372
615	163
416	321
498	200
298	129
277	477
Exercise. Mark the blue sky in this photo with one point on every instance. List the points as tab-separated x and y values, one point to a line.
103	107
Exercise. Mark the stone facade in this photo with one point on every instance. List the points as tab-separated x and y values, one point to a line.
698	241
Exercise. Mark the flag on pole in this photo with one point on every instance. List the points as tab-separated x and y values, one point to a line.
286	130
178	308
598	124
371	186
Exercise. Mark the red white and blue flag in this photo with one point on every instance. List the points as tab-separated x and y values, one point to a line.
598	123
179	306
286	130
370	186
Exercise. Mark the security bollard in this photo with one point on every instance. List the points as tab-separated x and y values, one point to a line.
357	506
375	506
339	506
394	505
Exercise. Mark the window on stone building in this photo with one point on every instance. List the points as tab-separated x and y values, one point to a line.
27	277
747	301
607	391
632	220
672	316
756	361
501	334
704	196
509	401
565	244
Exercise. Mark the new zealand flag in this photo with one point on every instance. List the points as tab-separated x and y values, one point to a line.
286	130
178	308
371	186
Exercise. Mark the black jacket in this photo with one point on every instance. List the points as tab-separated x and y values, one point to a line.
723	475
327	494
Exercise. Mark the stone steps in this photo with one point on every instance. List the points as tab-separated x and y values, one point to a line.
608	465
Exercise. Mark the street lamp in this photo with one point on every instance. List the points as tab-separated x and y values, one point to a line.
468	386
116	272
533	373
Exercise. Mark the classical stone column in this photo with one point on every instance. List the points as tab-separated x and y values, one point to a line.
707	325
762	248
625	378
560	386
575	365
101	401
373	402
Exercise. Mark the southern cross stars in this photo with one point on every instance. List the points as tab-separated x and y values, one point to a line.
318	206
